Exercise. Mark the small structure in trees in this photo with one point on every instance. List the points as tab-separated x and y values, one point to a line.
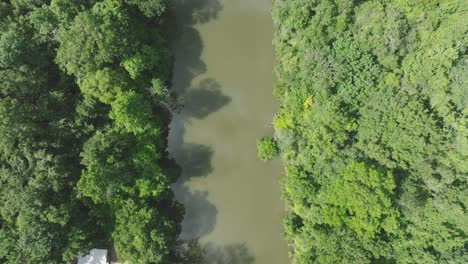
96	256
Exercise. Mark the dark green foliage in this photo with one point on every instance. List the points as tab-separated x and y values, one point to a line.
41	219
118	63
81	154
139	238
373	129
150	8
95	38
120	166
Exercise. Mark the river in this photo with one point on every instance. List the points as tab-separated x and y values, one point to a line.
223	75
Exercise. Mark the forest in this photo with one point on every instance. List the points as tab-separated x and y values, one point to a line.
373	129
83	124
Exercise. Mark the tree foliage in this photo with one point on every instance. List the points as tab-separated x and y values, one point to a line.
82	142
373	129
267	148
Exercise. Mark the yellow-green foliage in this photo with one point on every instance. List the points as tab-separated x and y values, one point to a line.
373	129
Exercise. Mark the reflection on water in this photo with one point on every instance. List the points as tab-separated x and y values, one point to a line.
223	77
204	98
191	252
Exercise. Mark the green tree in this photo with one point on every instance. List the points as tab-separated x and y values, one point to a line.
371	129
82	156
267	148
95	37
141	239
150	8
361	199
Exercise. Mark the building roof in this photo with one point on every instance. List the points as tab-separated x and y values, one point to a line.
96	256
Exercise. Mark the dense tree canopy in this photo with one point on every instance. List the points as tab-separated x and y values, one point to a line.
81	131
41	220
373	129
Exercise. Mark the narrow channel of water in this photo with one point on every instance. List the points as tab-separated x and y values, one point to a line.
223	73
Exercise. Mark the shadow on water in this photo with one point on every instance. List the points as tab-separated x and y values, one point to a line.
198	100
193	12
185	39
203	99
195	159
191	252
200	214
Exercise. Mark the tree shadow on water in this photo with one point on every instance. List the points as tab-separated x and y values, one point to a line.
195	160
229	254
197	11
197	102
200	214
186	43
187	46
192	252
203	99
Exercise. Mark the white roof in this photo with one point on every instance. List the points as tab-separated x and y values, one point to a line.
96	256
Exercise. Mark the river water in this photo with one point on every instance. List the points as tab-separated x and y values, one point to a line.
223	74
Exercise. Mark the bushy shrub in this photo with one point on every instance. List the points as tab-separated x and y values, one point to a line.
267	148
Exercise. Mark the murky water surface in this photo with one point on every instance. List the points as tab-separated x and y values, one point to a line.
223	73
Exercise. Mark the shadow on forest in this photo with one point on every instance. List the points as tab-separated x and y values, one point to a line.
197	101
191	252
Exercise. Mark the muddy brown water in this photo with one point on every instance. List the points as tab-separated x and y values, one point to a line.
223	74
